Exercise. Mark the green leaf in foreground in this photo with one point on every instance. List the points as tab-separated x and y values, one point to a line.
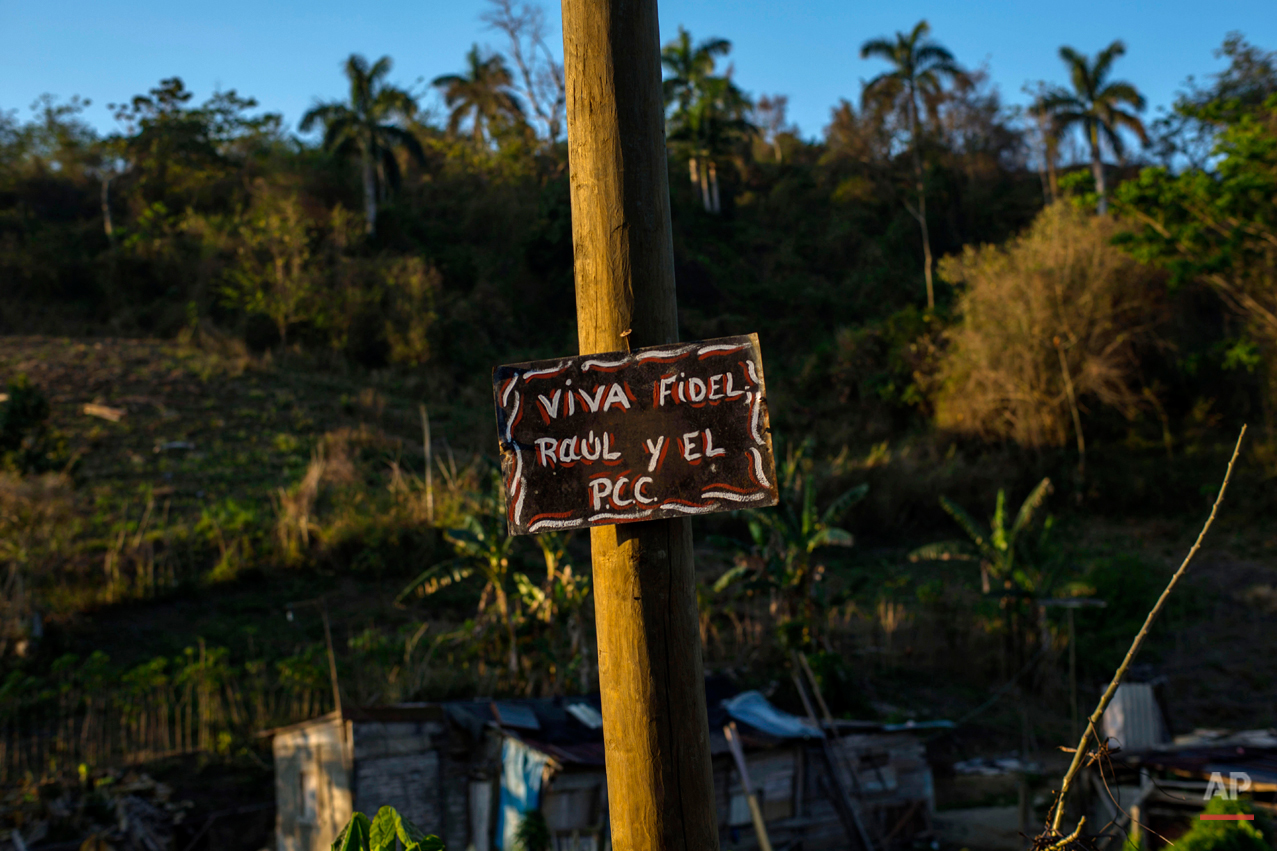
384	833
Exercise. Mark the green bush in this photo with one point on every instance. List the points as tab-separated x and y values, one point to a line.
533	833
1225	835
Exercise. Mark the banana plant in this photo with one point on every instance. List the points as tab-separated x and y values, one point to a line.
786	538
1006	560
999	550
482	548
555	617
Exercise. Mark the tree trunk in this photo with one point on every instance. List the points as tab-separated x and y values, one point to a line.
370	193
655	731
693	169
704	177
920	185
106	210
713	188
1097	169
1053	154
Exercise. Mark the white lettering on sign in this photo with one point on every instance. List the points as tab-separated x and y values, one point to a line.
600	429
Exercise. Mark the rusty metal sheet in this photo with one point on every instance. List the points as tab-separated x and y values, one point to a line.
666	431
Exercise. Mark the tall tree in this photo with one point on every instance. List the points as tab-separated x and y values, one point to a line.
482	94
371	125
1219	226
920	67
1095	106
689	66
180	154
709	111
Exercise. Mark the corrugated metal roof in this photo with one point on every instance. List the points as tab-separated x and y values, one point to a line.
1201	762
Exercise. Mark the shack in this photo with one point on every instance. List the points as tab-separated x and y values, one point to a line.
1165	787
470	771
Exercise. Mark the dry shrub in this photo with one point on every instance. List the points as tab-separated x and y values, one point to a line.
357	494
331	467
1057	304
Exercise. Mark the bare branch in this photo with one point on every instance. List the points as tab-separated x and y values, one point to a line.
541	82
1079	756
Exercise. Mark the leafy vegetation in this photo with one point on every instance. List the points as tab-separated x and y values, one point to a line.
1212	835
233	336
386	832
785	540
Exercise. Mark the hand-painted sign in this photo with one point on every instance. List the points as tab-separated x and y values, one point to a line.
667	431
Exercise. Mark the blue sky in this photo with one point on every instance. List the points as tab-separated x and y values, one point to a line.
286	53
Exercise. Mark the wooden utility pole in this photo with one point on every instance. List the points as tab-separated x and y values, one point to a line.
655	729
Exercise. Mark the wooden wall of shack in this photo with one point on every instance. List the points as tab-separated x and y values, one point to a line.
896	795
447	782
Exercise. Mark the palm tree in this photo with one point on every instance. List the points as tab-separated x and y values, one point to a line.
1095	105
482	93
921	67
710	130
705	106
370	124
689	66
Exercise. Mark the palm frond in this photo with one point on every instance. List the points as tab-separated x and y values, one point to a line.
714	47
760	528
379	70
1031	504
809	505
1104	61
394	101
934	55
726	580
1071	57
453	568
1079	73
1120	91
830	537
390	167
1132	123
885	87
998	526
341	131
458	115
969	525
1109	131
448	81
1055	100
920	30
407	139
472	537
878	47
839	506
322	113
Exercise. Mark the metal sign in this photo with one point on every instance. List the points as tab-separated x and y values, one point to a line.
667	431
